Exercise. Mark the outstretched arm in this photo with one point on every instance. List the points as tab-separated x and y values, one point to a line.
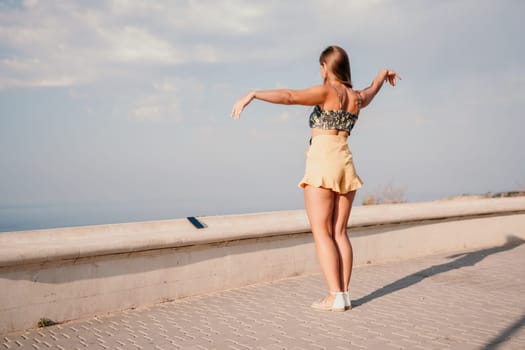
368	94
307	97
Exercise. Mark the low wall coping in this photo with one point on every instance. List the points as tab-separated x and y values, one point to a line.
39	246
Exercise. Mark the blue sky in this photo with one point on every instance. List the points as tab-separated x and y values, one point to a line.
124	105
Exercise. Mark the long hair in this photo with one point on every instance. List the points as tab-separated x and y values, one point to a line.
337	62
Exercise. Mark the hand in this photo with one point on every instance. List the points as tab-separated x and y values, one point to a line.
391	77
241	104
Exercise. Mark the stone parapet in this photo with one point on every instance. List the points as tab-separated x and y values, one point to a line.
68	273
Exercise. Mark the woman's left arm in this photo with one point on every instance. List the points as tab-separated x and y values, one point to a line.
307	97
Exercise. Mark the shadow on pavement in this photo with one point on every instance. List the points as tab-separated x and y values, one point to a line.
505	335
463	260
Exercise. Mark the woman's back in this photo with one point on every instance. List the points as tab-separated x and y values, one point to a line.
338	113
342	97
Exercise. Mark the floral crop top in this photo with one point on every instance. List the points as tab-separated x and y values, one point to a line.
333	119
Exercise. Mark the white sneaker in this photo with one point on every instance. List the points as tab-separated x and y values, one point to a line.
338	304
348	303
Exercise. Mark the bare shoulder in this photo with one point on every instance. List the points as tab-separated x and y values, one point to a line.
354	100
313	95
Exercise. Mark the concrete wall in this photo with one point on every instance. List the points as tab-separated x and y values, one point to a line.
68	273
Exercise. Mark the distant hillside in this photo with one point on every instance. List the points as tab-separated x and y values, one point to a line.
391	195
486	195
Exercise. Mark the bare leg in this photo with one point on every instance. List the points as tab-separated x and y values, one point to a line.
342	208
319	204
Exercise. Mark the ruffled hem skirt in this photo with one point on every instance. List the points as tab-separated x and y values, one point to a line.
329	165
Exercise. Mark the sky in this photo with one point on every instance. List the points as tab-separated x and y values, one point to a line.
117	111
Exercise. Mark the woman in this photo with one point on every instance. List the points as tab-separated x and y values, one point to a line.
330	180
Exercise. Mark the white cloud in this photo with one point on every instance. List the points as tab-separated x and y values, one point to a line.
23	74
163	99
224	17
131	44
162	104
43	47
79	43
30	3
203	17
75	43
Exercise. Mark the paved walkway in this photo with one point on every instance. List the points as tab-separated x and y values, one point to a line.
474	300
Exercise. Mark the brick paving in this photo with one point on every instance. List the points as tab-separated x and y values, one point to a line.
473	300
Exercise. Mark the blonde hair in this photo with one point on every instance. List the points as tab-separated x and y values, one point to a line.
337	62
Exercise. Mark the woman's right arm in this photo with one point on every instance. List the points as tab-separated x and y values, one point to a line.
307	97
368	94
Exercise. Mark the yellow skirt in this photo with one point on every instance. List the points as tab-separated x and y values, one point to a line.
329	165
